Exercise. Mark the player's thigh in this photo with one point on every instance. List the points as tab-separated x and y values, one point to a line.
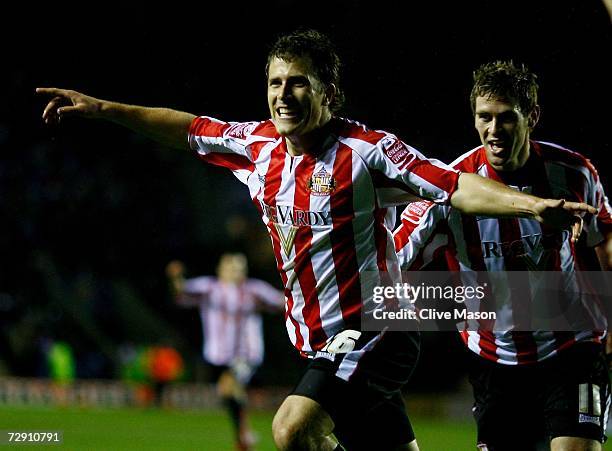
574	444
367	411
301	415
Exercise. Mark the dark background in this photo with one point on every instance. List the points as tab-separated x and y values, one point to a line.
91	213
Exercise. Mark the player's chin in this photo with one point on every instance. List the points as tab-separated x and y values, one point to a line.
286	129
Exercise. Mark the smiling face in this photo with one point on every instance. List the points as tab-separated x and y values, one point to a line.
297	100
504	131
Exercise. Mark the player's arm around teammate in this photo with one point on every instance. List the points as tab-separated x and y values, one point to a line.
500	201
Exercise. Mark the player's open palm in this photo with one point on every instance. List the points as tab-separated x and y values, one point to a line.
66	103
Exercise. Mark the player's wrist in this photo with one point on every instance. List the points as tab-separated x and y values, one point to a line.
529	206
109	110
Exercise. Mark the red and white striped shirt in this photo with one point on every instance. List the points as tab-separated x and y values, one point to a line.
327	214
231	323
442	235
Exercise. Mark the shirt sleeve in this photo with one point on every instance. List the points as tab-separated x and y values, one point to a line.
226	144
196	291
266	293
401	174
598	225
418	236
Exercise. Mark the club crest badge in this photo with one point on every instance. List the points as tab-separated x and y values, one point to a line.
321	183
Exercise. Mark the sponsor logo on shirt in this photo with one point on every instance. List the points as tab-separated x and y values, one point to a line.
241	130
286	239
321	183
584	418
416	210
520	248
287	220
397	152
287	215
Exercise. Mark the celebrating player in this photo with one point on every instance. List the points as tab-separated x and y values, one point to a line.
324	186
527	385
231	325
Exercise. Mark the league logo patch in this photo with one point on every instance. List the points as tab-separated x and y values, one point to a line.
398	153
321	183
241	130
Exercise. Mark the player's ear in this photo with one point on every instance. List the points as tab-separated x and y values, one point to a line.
534	116
330	94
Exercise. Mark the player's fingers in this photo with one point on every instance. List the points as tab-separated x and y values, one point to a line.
579	207
51	91
577	228
68	110
51	107
50	115
556	203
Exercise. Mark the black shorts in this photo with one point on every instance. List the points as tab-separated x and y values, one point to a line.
518	406
360	390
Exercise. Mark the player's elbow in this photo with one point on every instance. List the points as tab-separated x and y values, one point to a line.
463	202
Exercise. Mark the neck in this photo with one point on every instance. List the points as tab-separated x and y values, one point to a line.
309	142
523	156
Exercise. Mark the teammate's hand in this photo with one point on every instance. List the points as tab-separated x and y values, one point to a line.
609	250
562	214
577	229
175	269
66	103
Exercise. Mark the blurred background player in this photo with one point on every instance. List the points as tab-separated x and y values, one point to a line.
230	306
528	386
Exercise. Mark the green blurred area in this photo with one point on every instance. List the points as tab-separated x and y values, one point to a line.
157	429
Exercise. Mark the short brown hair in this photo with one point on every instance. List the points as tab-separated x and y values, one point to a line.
319	49
506	80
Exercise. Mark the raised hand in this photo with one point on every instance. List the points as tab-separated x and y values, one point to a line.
175	269
66	103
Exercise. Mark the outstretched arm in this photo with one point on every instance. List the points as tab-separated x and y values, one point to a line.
481	196
267	295
169	127
187	292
